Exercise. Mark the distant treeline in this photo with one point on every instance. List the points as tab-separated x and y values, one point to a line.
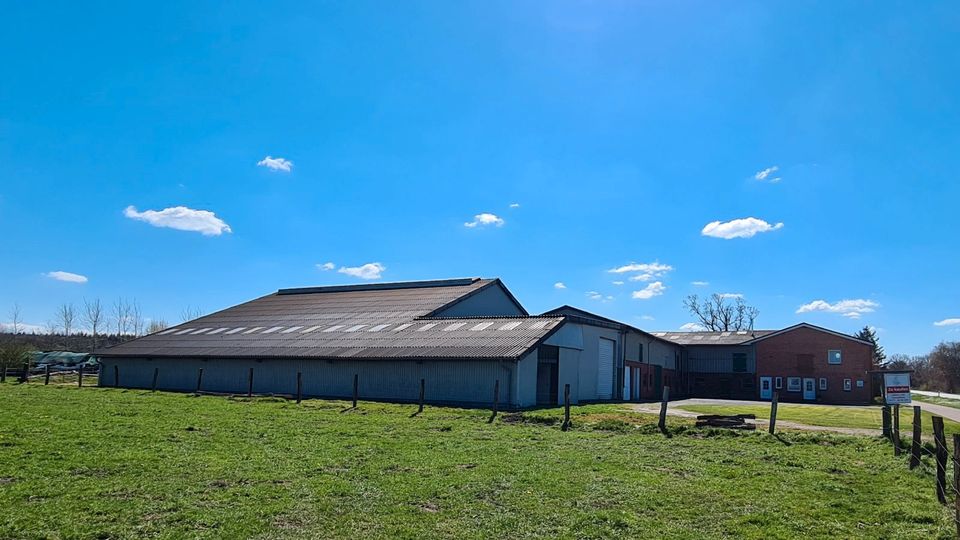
81	343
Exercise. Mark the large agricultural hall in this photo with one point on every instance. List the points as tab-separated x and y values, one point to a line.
465	337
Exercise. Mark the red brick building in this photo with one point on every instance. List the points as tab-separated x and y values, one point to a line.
803	363
809	363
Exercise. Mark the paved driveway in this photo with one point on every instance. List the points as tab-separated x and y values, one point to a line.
949	413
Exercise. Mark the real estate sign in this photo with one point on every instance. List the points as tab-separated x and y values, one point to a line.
896	388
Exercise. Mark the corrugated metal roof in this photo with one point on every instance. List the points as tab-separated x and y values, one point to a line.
361	322
712	338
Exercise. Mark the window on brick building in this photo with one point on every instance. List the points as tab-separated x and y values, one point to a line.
793	384
834	357
778	383
823	383
846	385
640	358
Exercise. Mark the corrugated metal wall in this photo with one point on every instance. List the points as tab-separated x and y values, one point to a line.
714	359
453	381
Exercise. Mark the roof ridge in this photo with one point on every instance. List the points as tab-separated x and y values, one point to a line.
422	284
472	317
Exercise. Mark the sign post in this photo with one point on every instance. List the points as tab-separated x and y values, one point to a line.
896	388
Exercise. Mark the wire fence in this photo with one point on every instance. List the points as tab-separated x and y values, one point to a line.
944	468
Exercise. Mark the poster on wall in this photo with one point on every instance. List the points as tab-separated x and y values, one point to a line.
896	388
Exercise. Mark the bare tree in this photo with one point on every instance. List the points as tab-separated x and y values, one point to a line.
15	318
136	318
719	314
51	327
157	325
93	315
121	317
189	313
65	317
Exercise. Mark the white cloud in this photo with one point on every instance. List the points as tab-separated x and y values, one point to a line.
738	228
559	285
366	271
852	309
700	283
326	267
515	205
647	317
692	327
276	164
617	283
654	289
181	218
948	322
654	267
594	295
767	173
69	277
645	271
485	219
731	295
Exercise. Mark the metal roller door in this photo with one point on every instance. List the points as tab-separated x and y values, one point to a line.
605	369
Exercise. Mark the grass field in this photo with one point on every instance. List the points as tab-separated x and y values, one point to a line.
955	403
106	463
825	415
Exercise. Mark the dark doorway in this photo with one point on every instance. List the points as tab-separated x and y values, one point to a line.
548	374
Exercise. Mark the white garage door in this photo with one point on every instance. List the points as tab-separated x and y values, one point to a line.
605	369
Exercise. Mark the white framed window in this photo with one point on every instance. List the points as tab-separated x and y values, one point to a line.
847	385
793	384
778	383
834	357
859	383
823	383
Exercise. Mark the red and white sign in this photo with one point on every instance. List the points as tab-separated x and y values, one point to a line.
896	388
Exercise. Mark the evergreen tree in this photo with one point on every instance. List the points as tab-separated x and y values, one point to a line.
869	334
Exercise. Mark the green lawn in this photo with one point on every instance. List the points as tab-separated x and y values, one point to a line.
955	403
106	463
869	417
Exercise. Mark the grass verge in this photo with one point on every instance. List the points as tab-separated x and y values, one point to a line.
869	417
106	463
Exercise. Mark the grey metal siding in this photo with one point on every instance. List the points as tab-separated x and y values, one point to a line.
467	382
713	359
491	301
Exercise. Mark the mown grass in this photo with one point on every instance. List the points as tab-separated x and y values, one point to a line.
107	463
946	402
868	417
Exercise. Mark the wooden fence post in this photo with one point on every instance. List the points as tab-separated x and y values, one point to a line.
663	409
896	430
566	407
496	399
356	379
46	375
80	376
941	441
299	387
773	412
956	481
156	374
423	384
116	376
3	373
26	372
915	448
199	379
886	421
250	383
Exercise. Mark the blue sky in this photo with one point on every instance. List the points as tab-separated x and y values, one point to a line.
622	131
